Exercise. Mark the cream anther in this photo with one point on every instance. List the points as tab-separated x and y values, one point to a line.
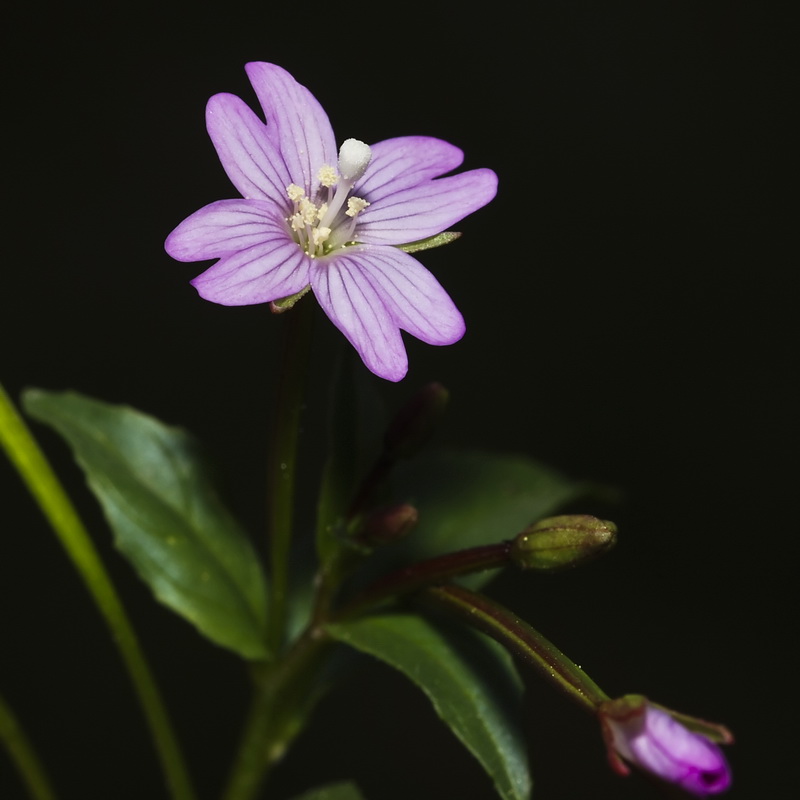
294	192
327	176
354	156
354	205
308	211
320	235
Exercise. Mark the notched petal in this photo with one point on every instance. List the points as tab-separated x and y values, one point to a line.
220	229
426	209
351	302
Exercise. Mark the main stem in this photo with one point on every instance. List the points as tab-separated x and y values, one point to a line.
285	694
282	463
43	484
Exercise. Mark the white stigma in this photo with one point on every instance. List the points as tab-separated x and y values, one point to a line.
354	156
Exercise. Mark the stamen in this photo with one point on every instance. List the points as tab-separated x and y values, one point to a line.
294	192
327	176
321	235
308	211
355	205
320	227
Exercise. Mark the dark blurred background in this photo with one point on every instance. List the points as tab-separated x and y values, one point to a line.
628	301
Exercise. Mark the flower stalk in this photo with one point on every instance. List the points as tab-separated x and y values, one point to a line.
282	464
34	469
427	573
520	639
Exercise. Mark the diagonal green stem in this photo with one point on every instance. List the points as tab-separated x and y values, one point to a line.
24	756
520	639
429	572
282	463
33	467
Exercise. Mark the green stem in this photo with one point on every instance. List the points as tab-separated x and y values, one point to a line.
30	462
283	462
285	694
520	639
24	756
427	573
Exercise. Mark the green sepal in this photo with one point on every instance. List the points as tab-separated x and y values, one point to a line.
166	516
285	303
345	790
427	244
470	679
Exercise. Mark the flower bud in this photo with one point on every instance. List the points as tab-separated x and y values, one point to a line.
561	542
651	738
387	525
416	421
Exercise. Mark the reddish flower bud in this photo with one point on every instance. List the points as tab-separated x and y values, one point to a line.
652	739
387	525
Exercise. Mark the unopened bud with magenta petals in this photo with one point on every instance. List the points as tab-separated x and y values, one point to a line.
562	542
651	738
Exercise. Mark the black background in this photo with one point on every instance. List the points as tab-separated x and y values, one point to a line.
628	299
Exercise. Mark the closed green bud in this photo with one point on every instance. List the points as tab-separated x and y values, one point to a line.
562	542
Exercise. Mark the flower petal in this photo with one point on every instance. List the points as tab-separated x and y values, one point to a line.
406	161
680	756
416	300
357	309
426	209
273	268
221	229
251	160
296	123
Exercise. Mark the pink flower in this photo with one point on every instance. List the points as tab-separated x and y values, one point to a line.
312	216
652	739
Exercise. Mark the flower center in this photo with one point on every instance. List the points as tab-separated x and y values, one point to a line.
327	221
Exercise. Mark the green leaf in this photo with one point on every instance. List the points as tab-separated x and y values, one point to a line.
470	680
469	498
333	791
166	516
432	241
